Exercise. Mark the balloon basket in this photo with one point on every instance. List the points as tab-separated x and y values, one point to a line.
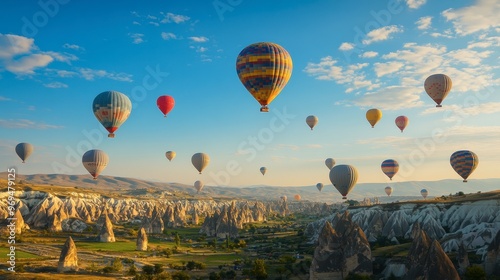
344	197
439	105
111	135
465	181
264	109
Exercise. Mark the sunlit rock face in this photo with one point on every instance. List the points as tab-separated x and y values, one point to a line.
106	234
142	240
68	260
342	248
492	259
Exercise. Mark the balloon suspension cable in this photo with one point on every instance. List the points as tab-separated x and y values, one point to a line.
111	135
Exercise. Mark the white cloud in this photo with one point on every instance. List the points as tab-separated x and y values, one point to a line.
487	42
199	39
151	17
468	56
391	98
415	4
381	34
352	75
170	17
73	47
12	45
483	15
168	36
63	57
31	108
91	74
137	37
369	54
135	23
26	64
424	23
55	85
418	59
346	46
456	113
201	49
3	98
26	124
443	35
65	73
382	69
154	23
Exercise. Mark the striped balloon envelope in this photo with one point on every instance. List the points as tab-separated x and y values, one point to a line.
112	109
264	69
95	161
390	167
464	163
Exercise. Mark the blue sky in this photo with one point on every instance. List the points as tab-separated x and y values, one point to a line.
348	57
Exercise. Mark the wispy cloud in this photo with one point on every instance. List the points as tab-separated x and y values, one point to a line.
55	85
199	39
415	4
154	23
424	23
137	37
482	15
454	113
12	45
170	17
168	36
201	49
27	64
328	69
91	74
391	98
346	46
382	69
381	34
73	47
3	98
26	124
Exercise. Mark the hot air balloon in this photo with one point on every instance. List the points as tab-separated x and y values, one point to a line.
200	161
24	150
284	198
95	161
344	178
165	103
390	167
329	162
263	170
112	109
297	197
170	155
464	163
402	122
319	186
312	121
264	69
373	116
198	185
388	190
424	193
437	87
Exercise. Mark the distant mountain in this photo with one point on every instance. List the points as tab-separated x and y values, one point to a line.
402	190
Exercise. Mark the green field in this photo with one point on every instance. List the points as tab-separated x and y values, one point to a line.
20	255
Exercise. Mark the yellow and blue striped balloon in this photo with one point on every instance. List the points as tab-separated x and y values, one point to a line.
390	167
464	163
264	69
111	108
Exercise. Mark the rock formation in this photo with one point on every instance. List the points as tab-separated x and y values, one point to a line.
20	225
106	234
68	261
342	248
196	218
462	259
154	224
427	260
142	240
492	259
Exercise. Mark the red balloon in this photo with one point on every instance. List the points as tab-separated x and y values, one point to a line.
165	104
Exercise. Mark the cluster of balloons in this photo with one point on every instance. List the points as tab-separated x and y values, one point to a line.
264	69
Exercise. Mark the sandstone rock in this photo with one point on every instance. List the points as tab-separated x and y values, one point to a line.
427	260
492	259
20	225
106	234
462	259
142	240
341	249
68	260
73	225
